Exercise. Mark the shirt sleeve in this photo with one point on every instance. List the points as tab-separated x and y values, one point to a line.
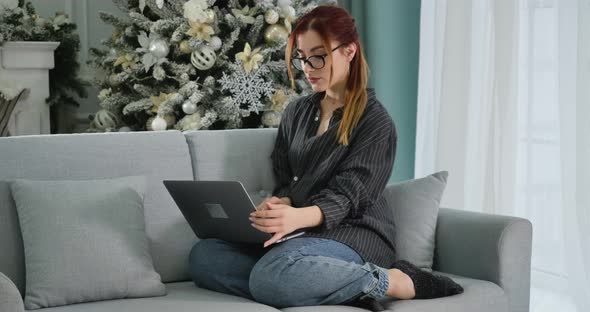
280	159
361	178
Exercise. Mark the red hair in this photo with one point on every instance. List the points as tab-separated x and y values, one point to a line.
335	23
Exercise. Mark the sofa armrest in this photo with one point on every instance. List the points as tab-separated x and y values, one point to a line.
488	247
10	297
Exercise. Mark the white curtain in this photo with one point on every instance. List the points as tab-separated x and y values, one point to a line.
503	104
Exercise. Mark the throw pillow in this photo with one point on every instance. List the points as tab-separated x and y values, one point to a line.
84	241
11	299
415	205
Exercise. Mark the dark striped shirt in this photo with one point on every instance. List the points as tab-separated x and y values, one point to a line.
346	182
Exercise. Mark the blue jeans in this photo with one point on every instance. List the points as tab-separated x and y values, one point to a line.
299	272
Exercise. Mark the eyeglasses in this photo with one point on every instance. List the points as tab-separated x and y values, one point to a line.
315	61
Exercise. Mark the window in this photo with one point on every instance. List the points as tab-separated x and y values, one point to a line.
538	195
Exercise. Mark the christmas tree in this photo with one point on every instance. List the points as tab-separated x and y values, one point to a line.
198	64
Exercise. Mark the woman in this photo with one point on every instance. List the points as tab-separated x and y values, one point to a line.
332	159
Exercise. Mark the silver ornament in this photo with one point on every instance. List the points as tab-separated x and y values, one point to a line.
159	48
189	108
271	17
148	124
159	124
215	43
204	58
287	11
283	3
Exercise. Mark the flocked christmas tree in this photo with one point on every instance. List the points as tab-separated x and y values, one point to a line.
198	64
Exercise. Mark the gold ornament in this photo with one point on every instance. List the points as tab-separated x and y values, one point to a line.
271	119
184	47
246	14
126	61
276	34
190	122
279	101
157	101
202	31
250	59
116	35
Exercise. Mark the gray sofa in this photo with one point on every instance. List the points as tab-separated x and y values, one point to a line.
488	255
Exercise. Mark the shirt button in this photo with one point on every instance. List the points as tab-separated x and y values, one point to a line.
295	179
316	118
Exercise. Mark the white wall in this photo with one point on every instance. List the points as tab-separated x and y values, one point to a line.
91	30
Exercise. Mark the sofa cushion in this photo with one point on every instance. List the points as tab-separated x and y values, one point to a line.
157	155
84	240
240	155
478	295
481	296
415	205
10	298
181	297
185	297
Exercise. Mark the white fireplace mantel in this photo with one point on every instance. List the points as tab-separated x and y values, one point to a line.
27	64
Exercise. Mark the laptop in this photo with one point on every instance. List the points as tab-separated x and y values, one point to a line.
219	209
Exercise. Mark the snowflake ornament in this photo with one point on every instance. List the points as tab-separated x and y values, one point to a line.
247	87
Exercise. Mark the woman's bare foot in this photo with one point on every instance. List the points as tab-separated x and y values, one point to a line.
400	285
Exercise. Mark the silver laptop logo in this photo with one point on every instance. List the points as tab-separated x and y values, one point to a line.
216	211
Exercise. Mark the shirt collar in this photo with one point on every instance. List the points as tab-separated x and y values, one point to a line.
318	96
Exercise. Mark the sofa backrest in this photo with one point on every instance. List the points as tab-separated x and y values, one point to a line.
157	155
240	155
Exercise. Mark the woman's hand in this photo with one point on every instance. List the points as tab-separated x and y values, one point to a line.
282	219
279	219
273	200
